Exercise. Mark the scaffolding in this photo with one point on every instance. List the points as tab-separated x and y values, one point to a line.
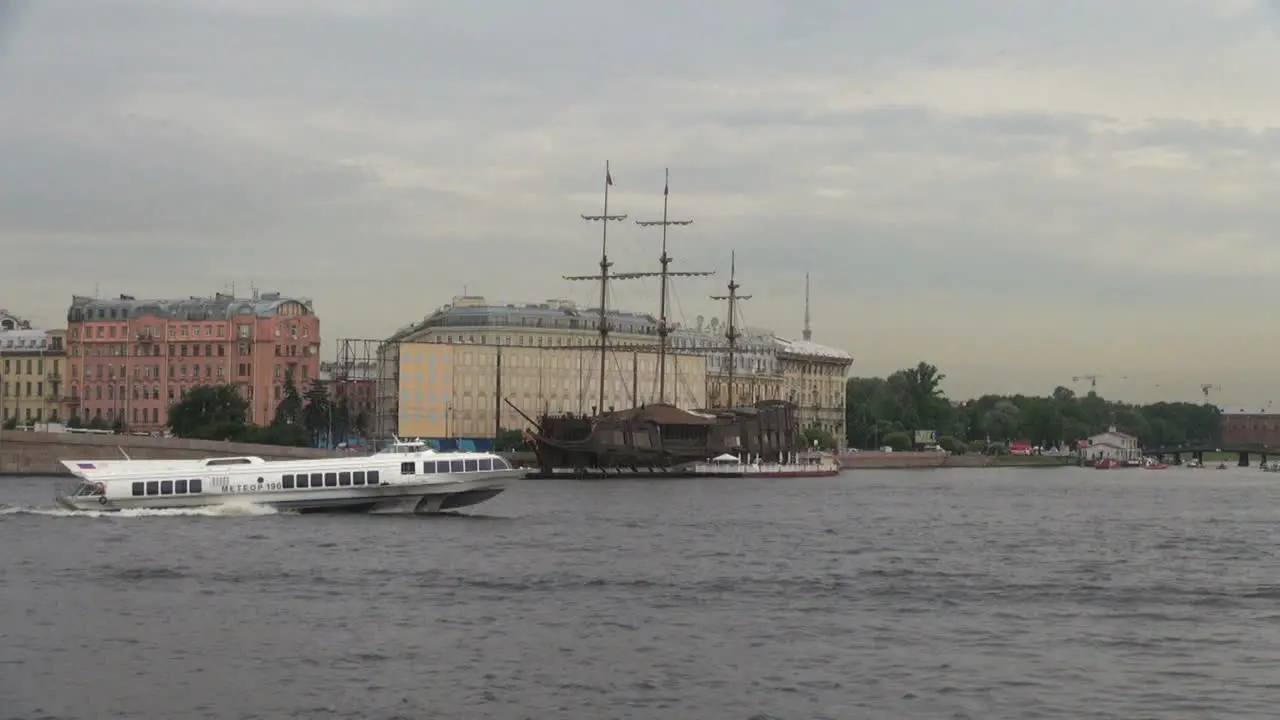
376	361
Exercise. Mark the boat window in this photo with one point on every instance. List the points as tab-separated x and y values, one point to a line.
286	482
153	487
500	463
406	468
137	489
331	479
428	468
486	464
196	485
179	487
228	461
455	466
344	478
357	477
317	480
471	465
166	487
373	477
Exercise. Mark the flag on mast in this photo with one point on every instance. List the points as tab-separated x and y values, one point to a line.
608	177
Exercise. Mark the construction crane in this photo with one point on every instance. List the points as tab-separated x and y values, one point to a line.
1093	380
1206	388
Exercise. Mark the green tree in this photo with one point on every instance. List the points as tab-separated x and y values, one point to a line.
360	424
317	413
209	412
341	410
289	411
816	436
10	423
911	399
97	423
74	421
897	440
510	441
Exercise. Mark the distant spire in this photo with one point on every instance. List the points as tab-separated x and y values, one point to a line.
808	331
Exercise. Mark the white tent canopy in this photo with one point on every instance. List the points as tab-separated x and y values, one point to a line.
725	458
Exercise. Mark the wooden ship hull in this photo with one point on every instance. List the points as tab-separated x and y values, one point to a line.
664	437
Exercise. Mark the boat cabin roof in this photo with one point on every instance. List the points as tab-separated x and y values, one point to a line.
404	447
245	460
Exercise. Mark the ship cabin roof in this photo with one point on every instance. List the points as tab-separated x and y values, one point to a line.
662	415
244	460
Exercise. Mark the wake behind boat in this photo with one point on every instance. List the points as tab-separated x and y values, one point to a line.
405	477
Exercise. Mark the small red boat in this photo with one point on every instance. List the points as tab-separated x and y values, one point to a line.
1106	464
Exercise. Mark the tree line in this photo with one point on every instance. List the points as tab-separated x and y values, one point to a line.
888	410
219	412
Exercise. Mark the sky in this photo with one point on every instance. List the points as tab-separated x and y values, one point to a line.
1020	193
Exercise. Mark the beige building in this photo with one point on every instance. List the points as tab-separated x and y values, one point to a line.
31	367
441	377
767	367
815	378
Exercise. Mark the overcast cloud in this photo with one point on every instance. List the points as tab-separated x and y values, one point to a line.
1017	191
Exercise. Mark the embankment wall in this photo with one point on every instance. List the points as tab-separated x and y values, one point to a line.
38	453
907	460
925	460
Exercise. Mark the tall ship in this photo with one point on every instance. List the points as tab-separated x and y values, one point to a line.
745	438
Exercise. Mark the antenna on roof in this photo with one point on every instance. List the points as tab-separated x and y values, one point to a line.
95	291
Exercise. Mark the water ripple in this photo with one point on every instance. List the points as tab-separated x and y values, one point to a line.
941	595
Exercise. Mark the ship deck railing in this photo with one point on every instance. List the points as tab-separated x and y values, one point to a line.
714	468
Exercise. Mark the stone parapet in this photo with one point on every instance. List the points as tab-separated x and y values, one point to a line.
38	453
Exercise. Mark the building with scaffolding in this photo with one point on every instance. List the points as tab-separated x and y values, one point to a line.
353	383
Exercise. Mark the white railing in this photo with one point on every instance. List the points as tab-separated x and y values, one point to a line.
762	468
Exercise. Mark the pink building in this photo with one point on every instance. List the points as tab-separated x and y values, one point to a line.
131	359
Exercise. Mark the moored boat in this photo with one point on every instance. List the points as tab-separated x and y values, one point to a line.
1107	464
407	476
804	464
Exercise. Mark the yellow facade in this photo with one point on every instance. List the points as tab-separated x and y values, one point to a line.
31	367
457	390
426	389
817	385
746	390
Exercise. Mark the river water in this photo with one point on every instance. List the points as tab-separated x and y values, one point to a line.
941	594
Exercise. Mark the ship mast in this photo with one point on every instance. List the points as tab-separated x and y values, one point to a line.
807	334
731	332
664	329
604	219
